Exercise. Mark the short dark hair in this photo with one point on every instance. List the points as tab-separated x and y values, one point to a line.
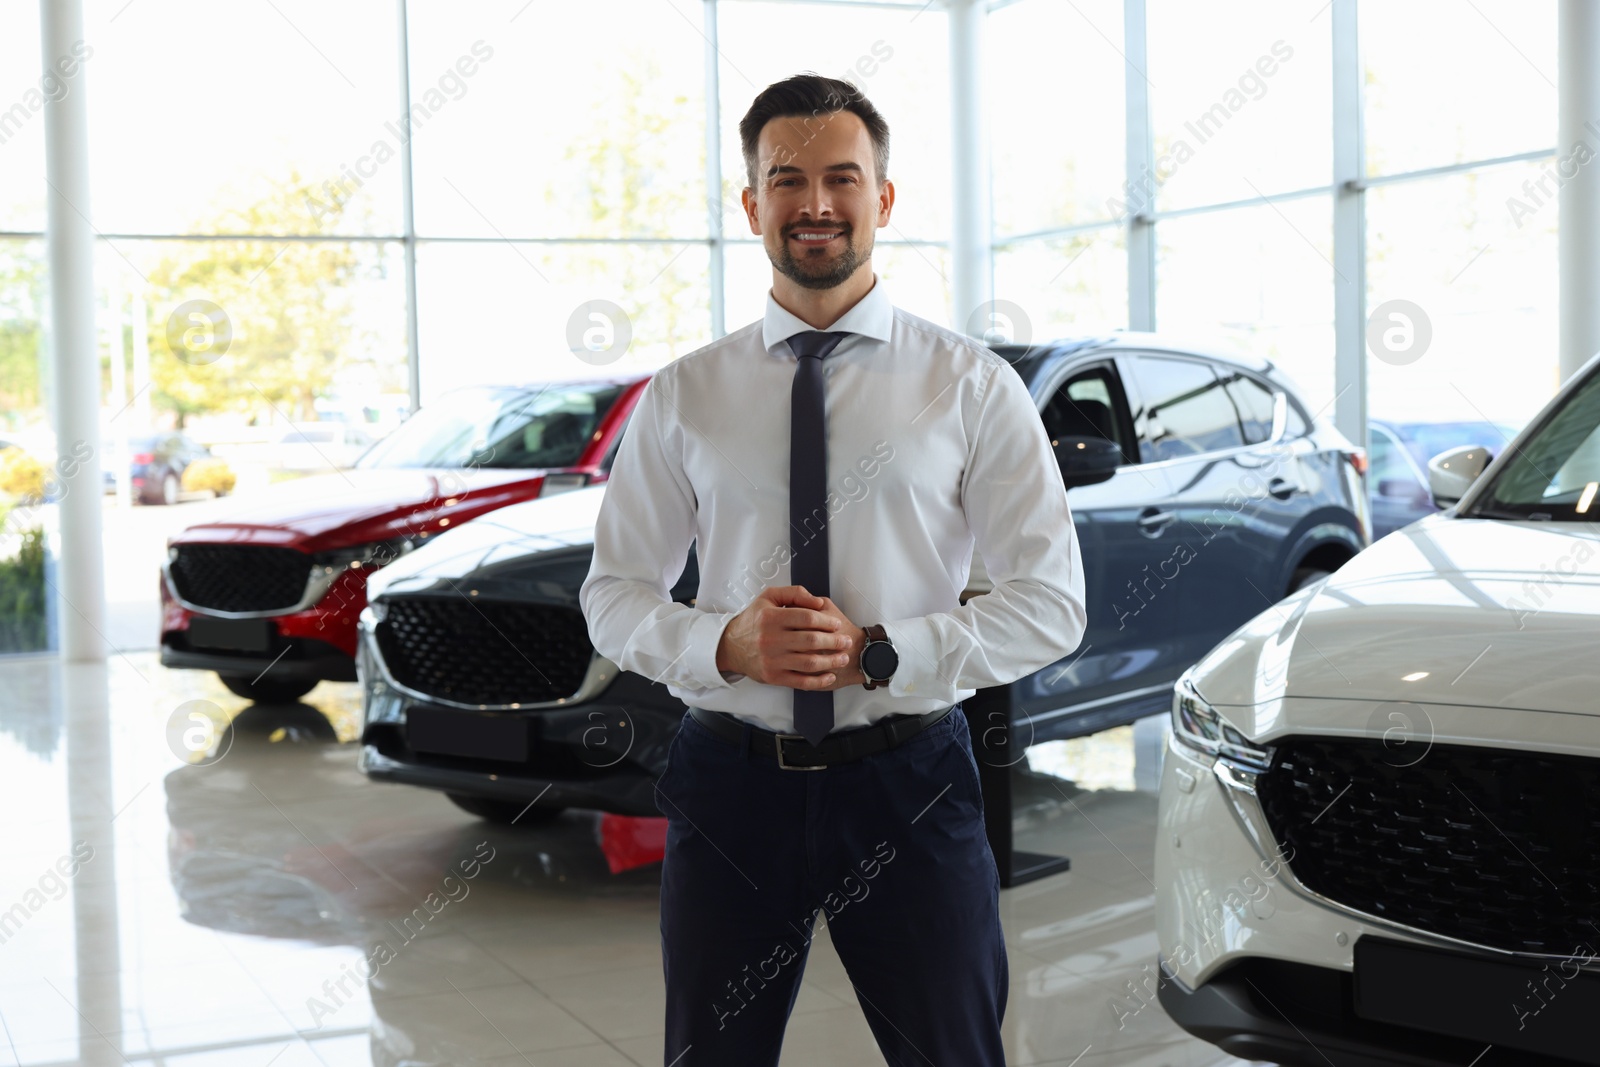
810	95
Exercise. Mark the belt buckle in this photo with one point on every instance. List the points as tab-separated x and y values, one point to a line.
779	739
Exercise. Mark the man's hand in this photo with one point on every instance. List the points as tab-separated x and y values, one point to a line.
850	674
790	638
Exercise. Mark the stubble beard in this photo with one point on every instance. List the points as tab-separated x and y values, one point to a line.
828	276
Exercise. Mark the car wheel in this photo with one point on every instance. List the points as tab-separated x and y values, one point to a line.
504	811
169	489
1304	577
277	691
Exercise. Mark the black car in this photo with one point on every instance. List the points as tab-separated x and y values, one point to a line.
1201	490
1399	453
157	464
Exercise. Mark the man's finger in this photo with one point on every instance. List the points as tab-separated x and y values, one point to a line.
785	595
807	619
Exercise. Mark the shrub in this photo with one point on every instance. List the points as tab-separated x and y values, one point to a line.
21	475
210	473
23	623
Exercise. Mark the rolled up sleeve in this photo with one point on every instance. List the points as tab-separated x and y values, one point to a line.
1016	506
642	536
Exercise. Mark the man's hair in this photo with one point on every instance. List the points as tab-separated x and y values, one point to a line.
814	98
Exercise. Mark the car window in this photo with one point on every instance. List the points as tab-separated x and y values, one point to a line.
1555	474
1086	405
1386	463
545	427
1187	410
616	443
1255	403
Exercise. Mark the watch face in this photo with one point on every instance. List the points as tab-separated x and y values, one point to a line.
879	660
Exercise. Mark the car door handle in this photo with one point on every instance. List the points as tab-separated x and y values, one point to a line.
1282	488
1153	521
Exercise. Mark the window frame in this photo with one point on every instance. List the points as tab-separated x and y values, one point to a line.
1071	367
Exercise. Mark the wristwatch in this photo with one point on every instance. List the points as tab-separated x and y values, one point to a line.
878	657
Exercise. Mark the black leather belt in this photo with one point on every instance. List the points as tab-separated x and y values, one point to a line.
794	753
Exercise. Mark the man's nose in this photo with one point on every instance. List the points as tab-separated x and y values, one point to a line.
818	202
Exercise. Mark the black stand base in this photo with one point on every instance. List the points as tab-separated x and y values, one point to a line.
989	722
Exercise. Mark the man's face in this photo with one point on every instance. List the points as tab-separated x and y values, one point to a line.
817	201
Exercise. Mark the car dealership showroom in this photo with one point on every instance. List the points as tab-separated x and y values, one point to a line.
940	533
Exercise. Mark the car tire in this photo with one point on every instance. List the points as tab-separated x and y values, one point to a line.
505	812
169	488
1303	577
277	691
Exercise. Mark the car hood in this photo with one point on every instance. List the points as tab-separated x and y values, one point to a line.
1468	612
515	533
319	511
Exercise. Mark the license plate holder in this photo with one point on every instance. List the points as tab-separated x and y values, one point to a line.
474	735
235	635
1482	997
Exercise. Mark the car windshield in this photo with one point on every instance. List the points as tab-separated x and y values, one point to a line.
1555	474
539	427
1424	440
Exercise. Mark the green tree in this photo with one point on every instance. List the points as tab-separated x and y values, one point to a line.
644	158
288	305
22	284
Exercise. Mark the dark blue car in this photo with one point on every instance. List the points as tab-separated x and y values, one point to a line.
1202	491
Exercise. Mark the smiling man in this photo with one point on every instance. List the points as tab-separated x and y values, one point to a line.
824	765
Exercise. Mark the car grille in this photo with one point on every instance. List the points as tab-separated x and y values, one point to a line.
240	577
484	651
1490	846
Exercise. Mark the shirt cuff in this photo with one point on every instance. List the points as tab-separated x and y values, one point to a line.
917	673
705	634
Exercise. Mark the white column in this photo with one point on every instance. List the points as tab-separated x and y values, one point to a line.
117	447
972	277
714	201
1349	230
1141	165
69	239
408	220
1578	117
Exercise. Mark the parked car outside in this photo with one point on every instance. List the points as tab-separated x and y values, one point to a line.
268	596
314	447
1201	491
156	464
1398	454
1380	812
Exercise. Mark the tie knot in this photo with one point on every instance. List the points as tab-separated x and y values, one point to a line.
816	343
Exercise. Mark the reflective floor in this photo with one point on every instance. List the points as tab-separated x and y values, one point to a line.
272	907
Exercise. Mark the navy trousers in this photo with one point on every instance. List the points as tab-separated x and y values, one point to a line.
888	850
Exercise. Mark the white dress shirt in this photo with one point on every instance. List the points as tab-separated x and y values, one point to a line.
934	447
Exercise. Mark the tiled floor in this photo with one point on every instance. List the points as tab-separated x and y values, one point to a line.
225	911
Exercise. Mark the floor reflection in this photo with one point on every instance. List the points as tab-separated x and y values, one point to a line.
274	907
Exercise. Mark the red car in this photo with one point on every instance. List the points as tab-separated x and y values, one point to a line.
269	597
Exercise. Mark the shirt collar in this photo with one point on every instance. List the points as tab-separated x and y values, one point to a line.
872	316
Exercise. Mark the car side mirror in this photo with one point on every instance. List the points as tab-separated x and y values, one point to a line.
1087	460
1451	473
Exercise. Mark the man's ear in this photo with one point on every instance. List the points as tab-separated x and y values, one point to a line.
885	203
748	199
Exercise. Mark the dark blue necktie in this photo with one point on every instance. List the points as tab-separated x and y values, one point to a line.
808	502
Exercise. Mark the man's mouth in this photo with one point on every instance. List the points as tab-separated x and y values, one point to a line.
814	238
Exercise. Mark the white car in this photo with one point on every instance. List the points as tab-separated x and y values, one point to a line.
319	446
1379	830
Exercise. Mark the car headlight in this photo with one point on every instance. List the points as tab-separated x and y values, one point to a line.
372	555
1197	724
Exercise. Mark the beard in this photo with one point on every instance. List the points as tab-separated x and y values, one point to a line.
816	272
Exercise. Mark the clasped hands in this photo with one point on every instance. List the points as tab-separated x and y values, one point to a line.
790	638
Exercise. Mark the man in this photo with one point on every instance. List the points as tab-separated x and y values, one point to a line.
861	453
